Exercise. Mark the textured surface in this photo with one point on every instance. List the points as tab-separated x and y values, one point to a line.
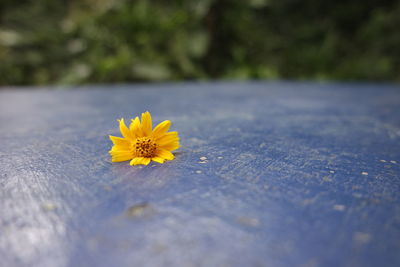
296	174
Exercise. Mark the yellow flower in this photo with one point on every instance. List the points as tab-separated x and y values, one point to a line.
141	144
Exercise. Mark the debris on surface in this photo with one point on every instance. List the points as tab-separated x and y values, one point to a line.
203	160
198	171
140	210
364	173
49	206
339	207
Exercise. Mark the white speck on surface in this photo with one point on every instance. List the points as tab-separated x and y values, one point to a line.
220	157
393	161
263	145
364	173
202	162
203	158
382	160
198	171
361	238
339	207
49	206
332	171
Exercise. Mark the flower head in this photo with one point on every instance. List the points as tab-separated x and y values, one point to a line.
141	143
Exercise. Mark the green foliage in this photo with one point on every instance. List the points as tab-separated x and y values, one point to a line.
106	41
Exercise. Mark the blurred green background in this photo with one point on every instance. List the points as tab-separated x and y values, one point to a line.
107	41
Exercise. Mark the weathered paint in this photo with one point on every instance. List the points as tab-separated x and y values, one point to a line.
269	174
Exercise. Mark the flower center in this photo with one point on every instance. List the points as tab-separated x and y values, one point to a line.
145	147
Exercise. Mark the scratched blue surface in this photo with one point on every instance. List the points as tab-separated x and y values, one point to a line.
297	174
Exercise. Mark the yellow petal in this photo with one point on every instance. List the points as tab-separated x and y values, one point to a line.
146	123
170	146
117	156
168	141
136	127
167	137
124	130
161	128
119	141
146	161
165	154
116	149
136	161
158	159
140	160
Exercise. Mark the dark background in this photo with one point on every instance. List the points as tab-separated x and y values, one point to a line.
108	41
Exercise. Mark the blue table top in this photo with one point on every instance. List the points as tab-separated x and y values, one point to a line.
296	174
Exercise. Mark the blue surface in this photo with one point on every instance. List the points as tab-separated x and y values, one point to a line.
297	174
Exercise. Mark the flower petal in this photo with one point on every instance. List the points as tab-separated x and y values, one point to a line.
161	128
136	127
116	149
165	154
136	161
146	161
140	160
167	137
158	159
119	141
118	156
146	123
170	146
124	130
